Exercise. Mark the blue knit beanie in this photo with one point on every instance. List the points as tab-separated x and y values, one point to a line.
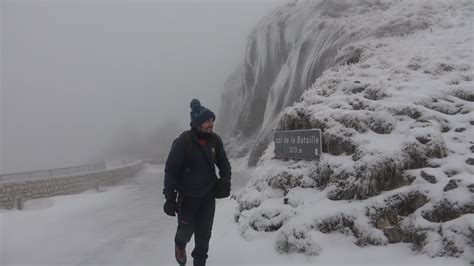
199	113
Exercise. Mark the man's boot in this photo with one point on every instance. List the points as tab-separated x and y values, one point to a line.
180	255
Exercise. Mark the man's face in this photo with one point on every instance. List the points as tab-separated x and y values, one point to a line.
207	126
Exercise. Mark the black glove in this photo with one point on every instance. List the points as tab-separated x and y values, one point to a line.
225	182
170	207
222	188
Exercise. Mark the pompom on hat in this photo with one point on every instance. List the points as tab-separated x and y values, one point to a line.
199	113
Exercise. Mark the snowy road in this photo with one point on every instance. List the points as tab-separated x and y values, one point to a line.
125	225
121	225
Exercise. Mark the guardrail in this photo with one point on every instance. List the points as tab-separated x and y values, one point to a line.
16	193
159	159
54	172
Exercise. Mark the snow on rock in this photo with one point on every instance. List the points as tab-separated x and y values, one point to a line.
291	47
390	86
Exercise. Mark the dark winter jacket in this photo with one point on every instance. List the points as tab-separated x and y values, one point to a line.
191	172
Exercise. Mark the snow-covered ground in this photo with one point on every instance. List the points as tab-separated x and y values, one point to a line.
125	225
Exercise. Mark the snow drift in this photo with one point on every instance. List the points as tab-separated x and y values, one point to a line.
389	83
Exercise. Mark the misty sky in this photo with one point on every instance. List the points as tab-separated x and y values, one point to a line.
75	74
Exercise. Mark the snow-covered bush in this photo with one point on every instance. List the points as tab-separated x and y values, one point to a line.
286	181
269	219
297	240
445	211
350	225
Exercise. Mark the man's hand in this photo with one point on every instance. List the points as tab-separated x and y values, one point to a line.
226	182
222	188
170	207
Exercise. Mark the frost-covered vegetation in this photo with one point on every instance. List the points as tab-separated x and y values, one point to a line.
396	112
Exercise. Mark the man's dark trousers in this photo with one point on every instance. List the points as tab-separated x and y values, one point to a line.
196	215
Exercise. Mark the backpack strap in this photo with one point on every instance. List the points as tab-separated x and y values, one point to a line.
188	147
215	140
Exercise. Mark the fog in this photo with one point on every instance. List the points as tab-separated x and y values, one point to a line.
87	80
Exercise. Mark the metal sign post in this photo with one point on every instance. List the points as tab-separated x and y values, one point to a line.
298	144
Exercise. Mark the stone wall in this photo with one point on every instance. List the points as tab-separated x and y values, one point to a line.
14	193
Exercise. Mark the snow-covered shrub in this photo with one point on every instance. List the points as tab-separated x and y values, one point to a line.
355	120
445	211
415	154
349	55
350	225
372	175
297	240
402	26
442	106
379	175
337	140
387	216
414	235
270	219
437	246
330	171
382	124
294	120
424	143
464	94
404	204
375	93
411	111
339	223
252	199
359	104
286	181
454	238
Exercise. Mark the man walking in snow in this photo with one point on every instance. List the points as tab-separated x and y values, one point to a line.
191	184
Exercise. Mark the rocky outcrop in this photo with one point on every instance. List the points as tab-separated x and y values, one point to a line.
287	51
285	54
393	102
